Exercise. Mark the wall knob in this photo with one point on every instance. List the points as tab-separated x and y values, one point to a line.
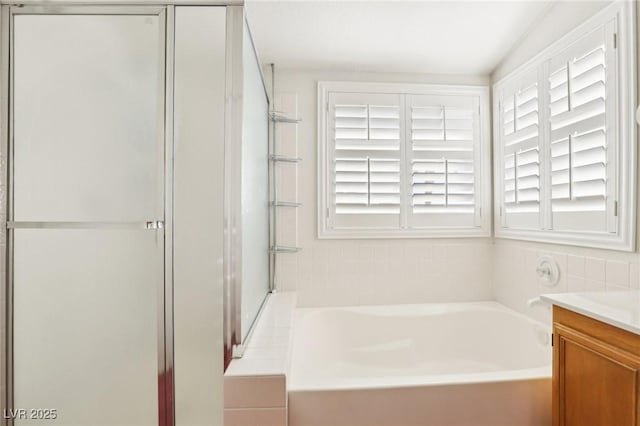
547	270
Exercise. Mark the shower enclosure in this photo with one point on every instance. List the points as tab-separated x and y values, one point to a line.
135	179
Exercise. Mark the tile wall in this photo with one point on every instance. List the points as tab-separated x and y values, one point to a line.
369	271
581	269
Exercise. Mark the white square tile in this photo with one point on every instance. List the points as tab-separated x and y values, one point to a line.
255	417
255	391
594	269
634	275
519	254
287	181
591	285
365	253
617	273
286	274
416	252
575	284
616	288
305	275
287	226
575	265
439	252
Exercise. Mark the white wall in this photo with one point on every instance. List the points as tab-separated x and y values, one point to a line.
559	20
347	272
514	279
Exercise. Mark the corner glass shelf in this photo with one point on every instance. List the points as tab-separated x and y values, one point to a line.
285	159
285	204
284	249
280	117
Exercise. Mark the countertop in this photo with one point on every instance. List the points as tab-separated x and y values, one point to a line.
618	308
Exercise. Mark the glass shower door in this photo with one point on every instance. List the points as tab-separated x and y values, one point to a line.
86	214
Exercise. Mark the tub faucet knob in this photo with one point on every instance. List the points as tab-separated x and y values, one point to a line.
542	271
547	270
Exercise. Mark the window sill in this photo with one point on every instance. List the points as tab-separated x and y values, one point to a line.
363	234
582	239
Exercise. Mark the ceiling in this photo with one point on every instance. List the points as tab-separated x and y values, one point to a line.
436	37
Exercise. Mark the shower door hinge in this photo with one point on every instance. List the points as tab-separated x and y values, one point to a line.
615	40
615	208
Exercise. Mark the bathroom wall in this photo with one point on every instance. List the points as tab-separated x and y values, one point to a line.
351	272
515	280
347	272
561	18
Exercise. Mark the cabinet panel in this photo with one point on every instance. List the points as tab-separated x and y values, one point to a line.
596	389
595	372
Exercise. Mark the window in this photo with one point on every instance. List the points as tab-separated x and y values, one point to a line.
564	139
403	161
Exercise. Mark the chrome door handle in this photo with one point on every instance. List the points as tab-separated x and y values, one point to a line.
158	224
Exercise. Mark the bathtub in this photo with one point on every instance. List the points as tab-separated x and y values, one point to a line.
462	364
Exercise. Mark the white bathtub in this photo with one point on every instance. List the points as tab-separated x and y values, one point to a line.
463	364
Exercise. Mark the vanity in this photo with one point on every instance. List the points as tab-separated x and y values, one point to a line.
596	358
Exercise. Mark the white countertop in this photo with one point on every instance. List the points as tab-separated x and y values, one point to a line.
618	308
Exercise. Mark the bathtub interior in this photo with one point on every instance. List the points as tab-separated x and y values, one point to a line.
404	345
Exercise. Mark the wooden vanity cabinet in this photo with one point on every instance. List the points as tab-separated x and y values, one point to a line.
595	372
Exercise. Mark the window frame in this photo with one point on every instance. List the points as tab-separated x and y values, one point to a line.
483	160
622	14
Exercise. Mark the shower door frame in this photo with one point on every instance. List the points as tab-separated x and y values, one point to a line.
234	336
166	410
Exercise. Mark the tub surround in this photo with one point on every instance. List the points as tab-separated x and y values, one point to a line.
255	386
581	270
618	308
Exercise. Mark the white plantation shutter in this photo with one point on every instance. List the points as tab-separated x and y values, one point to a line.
581	133
442	161
566	169
402	160
520	152
365	156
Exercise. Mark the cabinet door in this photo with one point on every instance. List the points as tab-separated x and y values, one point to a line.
595	383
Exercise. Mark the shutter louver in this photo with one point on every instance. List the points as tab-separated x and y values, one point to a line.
367	159
577	91
521	151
